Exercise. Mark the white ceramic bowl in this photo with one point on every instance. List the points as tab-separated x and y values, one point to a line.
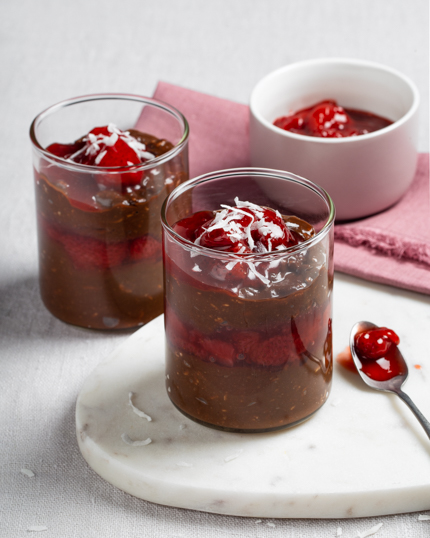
363	174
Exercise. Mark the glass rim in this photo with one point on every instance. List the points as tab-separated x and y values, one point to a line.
249	171
111	169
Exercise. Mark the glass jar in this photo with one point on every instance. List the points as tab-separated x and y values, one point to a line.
99	231
249	336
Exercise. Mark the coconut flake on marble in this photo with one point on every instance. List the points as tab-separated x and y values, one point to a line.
233	456
136	442
138	412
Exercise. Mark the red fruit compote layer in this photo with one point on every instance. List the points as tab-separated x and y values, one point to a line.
248	319
99	227
327	119
379	355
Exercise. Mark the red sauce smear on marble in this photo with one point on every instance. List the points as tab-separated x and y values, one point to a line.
344	358
327	119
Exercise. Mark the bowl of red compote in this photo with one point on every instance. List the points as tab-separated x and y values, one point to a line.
248	275
348	125
103	165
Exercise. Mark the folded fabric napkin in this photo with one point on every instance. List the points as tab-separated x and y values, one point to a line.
392	247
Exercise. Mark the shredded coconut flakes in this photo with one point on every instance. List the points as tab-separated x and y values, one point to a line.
423	517
95	142
27	472
227	217
226	220
137	442
233	456
370	532
136	410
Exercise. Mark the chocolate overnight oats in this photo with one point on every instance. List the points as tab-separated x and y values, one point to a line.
98	205
248	316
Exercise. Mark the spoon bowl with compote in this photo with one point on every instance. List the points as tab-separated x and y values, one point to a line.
380	363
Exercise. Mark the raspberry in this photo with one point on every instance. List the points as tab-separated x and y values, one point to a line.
107	147
296	122
50	230
271	352
178	335
144	248
65	151
328	120
88	253
245	229
375	343
245	341
218	350
118	155
190	227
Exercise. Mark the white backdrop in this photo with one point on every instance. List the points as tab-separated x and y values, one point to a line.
51	50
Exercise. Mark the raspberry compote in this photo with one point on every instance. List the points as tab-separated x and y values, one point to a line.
379	355
327	119
98	205
248	318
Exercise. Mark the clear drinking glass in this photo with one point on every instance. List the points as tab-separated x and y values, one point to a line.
249	337
99	231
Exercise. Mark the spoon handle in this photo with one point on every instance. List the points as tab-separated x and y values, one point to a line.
421	418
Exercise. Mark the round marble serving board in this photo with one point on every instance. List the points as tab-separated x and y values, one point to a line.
362	454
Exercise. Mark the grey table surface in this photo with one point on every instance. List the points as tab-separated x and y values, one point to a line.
51	50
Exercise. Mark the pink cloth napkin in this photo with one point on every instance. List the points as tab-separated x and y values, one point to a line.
392	247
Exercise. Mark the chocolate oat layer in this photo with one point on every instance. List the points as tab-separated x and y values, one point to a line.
99	235
246	398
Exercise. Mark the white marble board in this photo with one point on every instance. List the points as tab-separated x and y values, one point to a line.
362	454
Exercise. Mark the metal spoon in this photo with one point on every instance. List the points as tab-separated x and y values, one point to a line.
392	385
